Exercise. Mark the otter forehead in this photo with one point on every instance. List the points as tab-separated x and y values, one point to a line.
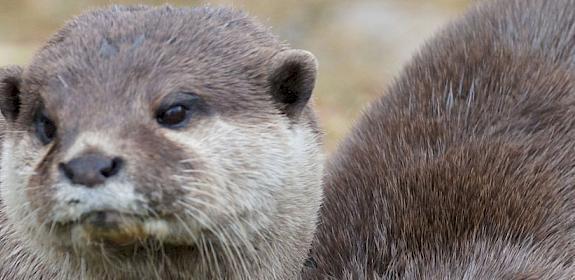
223	35
125	60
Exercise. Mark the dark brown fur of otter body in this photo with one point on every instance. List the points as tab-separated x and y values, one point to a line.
465	169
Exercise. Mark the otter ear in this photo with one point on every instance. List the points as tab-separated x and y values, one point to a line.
10	83
292	80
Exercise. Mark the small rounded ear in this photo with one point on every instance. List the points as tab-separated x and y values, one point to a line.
292	80
10	83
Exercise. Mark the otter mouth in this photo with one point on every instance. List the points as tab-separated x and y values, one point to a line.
119	231
126	235
114	228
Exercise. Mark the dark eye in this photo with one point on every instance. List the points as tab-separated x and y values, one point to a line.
173	117
45	128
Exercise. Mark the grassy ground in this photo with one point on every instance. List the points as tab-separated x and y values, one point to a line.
361	45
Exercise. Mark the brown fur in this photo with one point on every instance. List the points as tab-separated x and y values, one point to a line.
465	168
101	79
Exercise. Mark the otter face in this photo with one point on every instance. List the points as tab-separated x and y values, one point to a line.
166	140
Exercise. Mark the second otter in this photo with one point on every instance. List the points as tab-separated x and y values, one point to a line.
465	168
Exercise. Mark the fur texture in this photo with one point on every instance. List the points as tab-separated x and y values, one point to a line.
233	194
464	169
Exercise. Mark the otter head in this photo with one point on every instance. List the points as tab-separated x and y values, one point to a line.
158	141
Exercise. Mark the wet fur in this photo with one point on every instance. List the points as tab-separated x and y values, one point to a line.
465	168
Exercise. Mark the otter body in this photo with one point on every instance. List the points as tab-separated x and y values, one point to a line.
465	168
159	143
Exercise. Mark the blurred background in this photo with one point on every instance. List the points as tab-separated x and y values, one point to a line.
361	45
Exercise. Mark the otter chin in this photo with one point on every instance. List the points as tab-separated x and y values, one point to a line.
159	143
122	235
117	229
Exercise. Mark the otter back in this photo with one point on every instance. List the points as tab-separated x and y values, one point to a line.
464	170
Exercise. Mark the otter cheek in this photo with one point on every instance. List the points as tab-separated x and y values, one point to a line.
27	204
40	191
238	180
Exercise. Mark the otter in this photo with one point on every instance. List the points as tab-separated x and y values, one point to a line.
159	143
464	169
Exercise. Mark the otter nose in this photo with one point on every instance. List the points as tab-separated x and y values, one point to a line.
91	169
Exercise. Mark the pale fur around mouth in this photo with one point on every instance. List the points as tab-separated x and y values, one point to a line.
123	229
74	202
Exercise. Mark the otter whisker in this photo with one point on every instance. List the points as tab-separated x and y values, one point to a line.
217	266
224	238
210	226
14	131
241	236
219	207
228	254
105	256
191	234
206	254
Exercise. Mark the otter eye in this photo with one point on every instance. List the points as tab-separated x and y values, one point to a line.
173	116
45	128
178	108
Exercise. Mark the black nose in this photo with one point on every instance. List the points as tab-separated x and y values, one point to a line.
91	169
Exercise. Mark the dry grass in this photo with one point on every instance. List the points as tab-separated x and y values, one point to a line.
361	45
